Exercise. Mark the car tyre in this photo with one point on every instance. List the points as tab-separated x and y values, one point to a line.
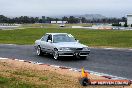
84	81
55	54
39	51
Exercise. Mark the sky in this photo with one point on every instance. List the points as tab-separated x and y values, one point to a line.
108	8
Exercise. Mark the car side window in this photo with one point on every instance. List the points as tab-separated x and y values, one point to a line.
49	38
44	38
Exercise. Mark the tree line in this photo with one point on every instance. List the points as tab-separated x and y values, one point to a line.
70	19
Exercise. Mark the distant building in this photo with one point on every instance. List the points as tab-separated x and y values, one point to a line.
53	22
122	23
59	22
129	19
62	22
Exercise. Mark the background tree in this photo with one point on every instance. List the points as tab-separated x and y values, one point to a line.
124	19
64	18
125	25
84	20
43	19
72	19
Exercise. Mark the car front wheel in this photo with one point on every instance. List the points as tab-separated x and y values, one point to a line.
55	54
39	51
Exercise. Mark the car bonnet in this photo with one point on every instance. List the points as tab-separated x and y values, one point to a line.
69	44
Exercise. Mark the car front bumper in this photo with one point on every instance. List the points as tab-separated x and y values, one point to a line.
73	53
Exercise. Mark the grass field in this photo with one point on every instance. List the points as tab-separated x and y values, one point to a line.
98	38
54	25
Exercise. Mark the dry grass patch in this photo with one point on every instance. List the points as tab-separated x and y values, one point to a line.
14	74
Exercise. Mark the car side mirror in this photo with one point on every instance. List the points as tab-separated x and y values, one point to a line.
49	41
77	40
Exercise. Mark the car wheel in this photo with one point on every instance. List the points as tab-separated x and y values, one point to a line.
39	51
55	54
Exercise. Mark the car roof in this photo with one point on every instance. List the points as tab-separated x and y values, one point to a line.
55	33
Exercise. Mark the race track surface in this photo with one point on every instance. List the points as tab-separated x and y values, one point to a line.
114	62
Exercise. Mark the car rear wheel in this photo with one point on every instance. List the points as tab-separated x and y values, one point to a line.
39	51
55	54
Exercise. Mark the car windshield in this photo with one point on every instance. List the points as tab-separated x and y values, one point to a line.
63	38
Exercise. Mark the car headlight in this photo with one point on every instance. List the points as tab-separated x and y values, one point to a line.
85	48
64	49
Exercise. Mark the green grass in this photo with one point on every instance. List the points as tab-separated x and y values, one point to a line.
3	80
25	73
14	83
85	25
98	38
43	78
41	25
53	25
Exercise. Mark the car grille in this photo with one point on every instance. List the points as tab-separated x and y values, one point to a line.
76	49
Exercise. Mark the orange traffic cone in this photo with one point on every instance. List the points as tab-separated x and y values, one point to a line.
84	81
84	74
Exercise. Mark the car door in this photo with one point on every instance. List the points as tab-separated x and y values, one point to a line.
45	45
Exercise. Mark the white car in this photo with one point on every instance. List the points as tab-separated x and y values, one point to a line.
62	25
61	44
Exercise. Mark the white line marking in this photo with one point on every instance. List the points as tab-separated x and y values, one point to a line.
55	66
109	48
3	58
130	49
9	44
21	60
112	48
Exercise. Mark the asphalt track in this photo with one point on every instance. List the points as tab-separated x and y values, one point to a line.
115	62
